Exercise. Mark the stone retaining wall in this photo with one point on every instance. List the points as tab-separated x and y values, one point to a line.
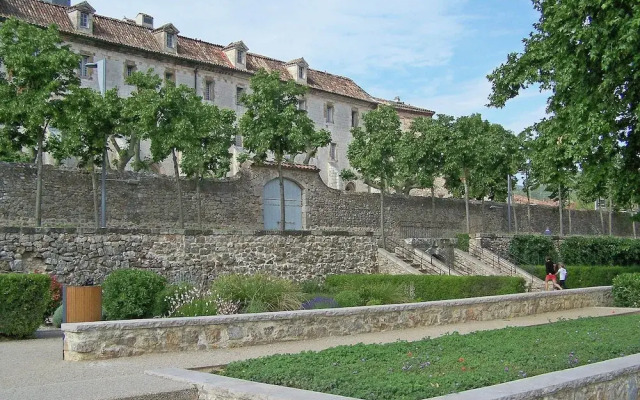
99	340
79	257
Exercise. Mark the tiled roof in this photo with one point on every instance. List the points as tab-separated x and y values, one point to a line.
285	165
401	106
126	34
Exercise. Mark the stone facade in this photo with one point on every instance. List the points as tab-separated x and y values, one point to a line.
78	257
136	200
98	340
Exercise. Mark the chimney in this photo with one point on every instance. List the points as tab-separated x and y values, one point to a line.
145	20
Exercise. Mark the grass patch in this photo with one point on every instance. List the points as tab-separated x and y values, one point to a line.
448	364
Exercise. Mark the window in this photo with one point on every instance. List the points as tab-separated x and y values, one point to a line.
208	90
354	118
129	70
329	113
333	154
240	57
169	77
238	140
239	93
300	72
84	71
84	20
147	19
170	40
302	104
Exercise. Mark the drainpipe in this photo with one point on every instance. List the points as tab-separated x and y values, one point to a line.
195	80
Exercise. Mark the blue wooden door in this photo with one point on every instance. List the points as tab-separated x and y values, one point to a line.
292	203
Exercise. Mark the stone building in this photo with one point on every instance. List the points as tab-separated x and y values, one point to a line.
220	74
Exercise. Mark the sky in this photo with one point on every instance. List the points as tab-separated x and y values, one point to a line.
434	54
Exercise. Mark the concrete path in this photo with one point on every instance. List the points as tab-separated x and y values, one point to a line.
34	369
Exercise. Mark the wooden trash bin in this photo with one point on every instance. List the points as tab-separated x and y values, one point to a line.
82	303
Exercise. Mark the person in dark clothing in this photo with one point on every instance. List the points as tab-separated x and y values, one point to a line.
550	269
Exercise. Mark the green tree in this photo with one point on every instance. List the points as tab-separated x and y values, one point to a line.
585	54
273	124
206	153
86	123
39	71
373	150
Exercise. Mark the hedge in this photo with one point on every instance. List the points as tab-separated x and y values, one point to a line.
531	249
131	293
626	290
463	241
23	301
588	276
582	250
433	287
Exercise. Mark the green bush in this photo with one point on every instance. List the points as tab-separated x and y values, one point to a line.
56	320
600	250
588	276
531	249
161	305
197	308
55	297
427	287
626	290
348	298
131	293
258	292
463	241
23	301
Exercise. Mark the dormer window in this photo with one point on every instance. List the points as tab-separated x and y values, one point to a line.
171	39
298	70
84	20
236	52
167	37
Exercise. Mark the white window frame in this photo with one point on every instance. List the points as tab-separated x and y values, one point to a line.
329	113
208	90
333	152
301	72
84	71
171	42
84	20
238	141
239	57
302	104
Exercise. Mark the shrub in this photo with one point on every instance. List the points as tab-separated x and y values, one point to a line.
55	297
23	301
626	290
163	301
348	298
313	286
258	293
56	320
600	250
463	241
197	308
588	276
428	287
531	249
130	293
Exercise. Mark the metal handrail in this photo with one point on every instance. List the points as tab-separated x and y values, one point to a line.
514	261
409	254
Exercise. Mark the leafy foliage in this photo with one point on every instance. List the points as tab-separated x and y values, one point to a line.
626	290
25	298
258	292
448	364
130	293
600	250
584	54
462	241
531	249
589	276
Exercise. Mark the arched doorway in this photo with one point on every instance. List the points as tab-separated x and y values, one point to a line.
292	203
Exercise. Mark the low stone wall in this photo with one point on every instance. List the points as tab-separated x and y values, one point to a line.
616	379
99	340
86	256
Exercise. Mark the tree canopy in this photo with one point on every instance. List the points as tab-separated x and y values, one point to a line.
585	54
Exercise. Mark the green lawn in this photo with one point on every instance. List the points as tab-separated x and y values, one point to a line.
452	363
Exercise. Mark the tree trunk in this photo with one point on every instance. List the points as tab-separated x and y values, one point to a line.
635	236
569	212
382	237
198	200
39	163
601	215
610	216
282	199
94	189
481	215
529	209
177	174
560	208
515	218
466	201
433	204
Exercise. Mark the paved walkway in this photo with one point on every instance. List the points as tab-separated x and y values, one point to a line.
34	369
